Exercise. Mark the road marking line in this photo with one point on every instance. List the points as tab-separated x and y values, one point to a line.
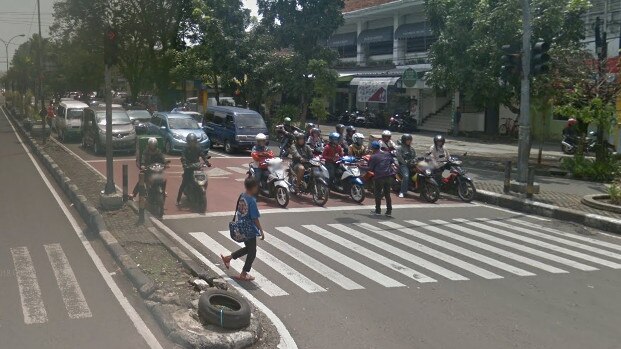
401	253
341	258
519	247
240	170
430	251
214	247
29	290
566	242
218	172
573	236
137	321
376	257
509	211
70	290
487	247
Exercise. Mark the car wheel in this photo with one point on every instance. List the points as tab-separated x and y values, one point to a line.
228	148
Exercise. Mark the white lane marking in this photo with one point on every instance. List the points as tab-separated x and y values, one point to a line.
566	242
401	253
519	247
261	281
341	258
486	247
286	340
29	290
240	170
569	235
285	270
322	209
70	290
430	251
137	321
509	211
376	257
217	172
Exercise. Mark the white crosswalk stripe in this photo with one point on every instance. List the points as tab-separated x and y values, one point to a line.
543	244
239	170
29	290
430	251
264	284
70	290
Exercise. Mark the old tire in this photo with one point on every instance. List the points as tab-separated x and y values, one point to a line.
224	309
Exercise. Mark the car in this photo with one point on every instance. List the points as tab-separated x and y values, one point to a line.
174	128
196	115
94	130
139	118
232	127
68	120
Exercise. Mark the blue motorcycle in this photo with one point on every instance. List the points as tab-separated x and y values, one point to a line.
348	178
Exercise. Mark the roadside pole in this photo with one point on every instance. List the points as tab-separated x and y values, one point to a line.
525	129
110	188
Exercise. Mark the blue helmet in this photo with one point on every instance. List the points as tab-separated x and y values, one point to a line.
375	145
334	137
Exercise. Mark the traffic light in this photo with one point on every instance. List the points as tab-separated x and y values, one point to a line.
511	62
540	58
111	47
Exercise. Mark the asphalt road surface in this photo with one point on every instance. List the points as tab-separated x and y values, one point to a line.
57	290
434	276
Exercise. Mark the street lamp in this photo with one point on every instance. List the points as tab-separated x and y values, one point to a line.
6	50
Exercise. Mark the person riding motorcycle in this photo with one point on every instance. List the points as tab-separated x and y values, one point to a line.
357	148
286	131
308	128
191	155
260	152
340	129
301	153
570	132
349	135
332	153
386	143
405	155
438	152
150	156
314	140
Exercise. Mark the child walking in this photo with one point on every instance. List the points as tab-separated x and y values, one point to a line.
247	209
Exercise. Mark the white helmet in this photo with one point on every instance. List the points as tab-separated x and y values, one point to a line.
358	138
386	133
261	137
152	142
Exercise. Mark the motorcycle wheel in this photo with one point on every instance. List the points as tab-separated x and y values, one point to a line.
430	192
157	202
465	190
356	192
321	193
282	197
568	150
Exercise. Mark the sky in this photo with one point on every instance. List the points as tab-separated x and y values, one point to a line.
20	17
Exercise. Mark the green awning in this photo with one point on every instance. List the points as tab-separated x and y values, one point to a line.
413	30
376	35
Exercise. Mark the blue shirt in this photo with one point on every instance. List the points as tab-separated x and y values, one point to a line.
247	209
381	164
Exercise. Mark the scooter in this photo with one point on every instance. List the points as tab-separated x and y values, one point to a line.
569	145
421	180
196	191
274	182
348	180
155	188
456	179
315	181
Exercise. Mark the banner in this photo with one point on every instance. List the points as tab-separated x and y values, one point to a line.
373	90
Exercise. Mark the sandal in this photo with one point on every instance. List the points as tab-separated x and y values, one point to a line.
227	265
244	278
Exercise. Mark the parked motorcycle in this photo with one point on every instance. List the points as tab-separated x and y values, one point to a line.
421	180
196	191
348	180
456	179
569	145
274	182
402	122
315	179
155	188
348	117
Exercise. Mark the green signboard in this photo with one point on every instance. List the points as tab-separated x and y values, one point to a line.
409	77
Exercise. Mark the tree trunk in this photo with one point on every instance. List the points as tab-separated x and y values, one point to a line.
304	109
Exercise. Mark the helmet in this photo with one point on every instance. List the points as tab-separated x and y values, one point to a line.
405	138
572	122
334	137
300	135
438	139
358	138
339	128
260	137
287	121
375	145
386	133
316	131
152	142
191	138
310	126
350	130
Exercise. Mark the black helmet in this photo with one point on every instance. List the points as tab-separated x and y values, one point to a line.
191	138
300	135
350	130
405	137
339	128
438	139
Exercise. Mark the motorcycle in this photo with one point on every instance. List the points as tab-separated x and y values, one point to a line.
421	180
348	117
348	180
402	123
196	191
274	182
315	181
155	188
569	145
456	179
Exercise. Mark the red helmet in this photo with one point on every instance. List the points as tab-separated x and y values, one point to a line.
572	122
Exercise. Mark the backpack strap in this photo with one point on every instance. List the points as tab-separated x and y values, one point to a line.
236	206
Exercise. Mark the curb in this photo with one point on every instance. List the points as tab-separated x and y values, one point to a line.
591	220
592	201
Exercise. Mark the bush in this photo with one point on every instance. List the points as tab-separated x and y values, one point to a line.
599	171
615	192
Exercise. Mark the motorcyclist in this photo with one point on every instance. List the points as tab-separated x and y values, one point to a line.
405	155
349	135
438	153
260	152
357	148
332	153
571	130
340	129
301	153
308	128
191	155
150	156
314	140
286	131
386	143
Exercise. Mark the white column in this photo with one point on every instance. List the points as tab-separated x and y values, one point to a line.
397	57
362	54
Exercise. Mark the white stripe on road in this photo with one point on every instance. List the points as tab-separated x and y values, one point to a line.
29	290
240	170
376	257
285	270
519	247
264	284
430	251
341	258
487	247
216	172
70	290
566	242
569	235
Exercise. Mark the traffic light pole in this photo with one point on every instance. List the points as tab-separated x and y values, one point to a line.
525	128
110	187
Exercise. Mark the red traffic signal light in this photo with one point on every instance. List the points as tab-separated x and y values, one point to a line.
111	47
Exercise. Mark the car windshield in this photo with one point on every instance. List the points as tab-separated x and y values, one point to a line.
118	118
74	114
139	114
249	121
182	123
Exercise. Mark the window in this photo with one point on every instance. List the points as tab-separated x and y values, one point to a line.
219	119
183	123
156	120
380	48
347	51
421	44
229	120
74	114
210	117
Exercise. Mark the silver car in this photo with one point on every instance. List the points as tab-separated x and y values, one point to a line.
94	131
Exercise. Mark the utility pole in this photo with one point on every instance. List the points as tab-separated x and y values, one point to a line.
109	58
39	69
525	129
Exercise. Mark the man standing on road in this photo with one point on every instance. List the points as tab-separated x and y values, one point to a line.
456	120
405	155
381	164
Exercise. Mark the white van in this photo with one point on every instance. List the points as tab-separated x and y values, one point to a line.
68	119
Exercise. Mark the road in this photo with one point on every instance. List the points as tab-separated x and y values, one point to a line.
60	288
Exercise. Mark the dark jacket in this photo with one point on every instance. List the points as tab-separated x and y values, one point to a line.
381	164
149	158
301	153
192	155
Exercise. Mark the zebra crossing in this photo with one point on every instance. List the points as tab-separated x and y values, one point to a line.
31	297
317	258
229	171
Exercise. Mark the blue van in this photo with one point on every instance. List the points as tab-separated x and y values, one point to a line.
233	128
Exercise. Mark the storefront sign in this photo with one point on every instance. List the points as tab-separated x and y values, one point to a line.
373	91
409	77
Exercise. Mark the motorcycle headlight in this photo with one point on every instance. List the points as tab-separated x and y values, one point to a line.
355	171
177	136
428	172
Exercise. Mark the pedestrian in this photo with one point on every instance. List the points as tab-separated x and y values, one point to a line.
247	209
381	164
456	120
